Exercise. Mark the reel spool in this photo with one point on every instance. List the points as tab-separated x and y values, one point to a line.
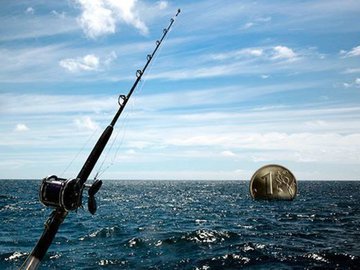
60	193
66	194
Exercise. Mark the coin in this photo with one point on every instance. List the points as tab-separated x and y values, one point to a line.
273	182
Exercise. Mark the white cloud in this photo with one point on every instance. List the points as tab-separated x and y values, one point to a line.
60	15
256	22
162	4
254	52
131	152
228	153
21	128
273	53
270	146
250	61
96	20
323	142
86	123
89	62
100	17
110	58
283	53
264	19
352	70
34	104
33	27
357	81
317	123
238	54
343	52
353	52
30	11
248	25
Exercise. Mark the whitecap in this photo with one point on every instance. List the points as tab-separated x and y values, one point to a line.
158	243
317	257
200	221
16	255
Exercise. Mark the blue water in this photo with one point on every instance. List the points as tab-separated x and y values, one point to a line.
189	225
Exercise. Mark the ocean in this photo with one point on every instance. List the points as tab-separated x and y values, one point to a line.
188	225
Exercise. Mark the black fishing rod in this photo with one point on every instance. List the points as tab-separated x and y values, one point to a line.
65	195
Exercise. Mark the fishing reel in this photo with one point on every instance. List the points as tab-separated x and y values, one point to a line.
66	194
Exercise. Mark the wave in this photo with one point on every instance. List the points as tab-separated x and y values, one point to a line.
106	232
276	260
14	256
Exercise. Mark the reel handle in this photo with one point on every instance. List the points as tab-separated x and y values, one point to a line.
93	189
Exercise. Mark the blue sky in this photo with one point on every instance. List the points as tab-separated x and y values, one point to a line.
236	85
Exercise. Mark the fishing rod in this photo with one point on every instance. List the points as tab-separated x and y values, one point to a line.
65	195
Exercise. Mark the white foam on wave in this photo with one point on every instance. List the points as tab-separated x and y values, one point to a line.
16	255
317	257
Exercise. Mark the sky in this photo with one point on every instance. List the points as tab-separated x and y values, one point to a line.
235	85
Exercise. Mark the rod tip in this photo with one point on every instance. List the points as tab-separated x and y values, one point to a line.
178	11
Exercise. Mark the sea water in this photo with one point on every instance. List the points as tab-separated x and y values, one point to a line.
188	225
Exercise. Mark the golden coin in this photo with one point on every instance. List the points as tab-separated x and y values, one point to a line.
273	182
